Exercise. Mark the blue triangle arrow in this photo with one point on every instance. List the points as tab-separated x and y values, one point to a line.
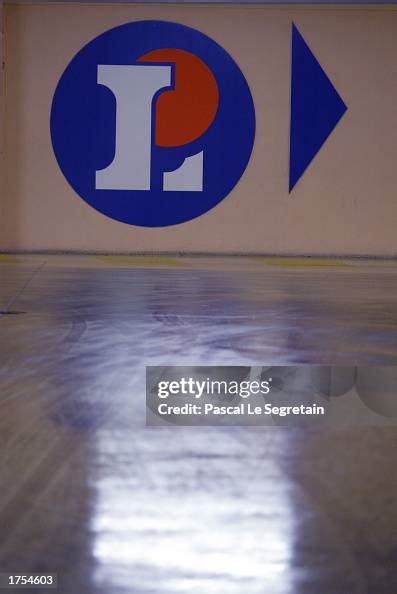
316	107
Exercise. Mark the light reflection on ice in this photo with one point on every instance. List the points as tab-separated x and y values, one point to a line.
170	520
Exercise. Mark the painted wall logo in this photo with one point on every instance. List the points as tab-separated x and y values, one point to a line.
152	123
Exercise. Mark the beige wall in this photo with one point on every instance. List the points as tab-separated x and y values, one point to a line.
346	203
1	112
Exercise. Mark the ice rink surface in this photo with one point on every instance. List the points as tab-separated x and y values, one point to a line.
87	491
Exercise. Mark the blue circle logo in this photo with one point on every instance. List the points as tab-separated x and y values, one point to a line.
152	123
